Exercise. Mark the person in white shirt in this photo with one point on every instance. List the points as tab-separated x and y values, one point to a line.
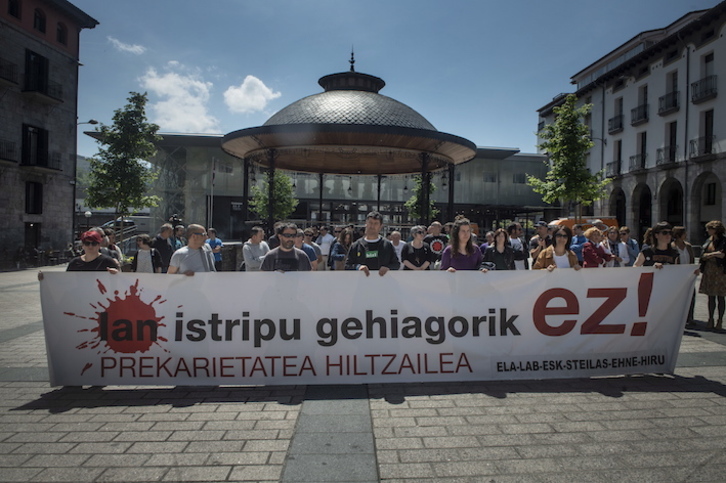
325	242
398	245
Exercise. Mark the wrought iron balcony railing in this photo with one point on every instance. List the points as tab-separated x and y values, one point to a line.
666	155
8	71
613	169
669	103
704	89
7	151
615	124
639	115
637	162
702	146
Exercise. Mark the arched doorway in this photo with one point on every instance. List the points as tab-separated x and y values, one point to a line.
618	205
671	202
705	204
642	209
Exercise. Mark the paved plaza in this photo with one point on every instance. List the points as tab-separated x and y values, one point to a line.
652	428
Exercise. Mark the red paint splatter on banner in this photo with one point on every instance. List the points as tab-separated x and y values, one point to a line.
123	324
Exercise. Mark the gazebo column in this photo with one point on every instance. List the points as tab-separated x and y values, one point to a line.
378	199
425	193
271	189
321	179
452	174
246	189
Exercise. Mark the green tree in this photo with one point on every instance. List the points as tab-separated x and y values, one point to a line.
120	175
285	201
567	142
414	205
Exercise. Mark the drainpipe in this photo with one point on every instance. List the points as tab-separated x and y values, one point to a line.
686	204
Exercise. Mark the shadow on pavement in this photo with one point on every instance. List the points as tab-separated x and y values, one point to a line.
67	398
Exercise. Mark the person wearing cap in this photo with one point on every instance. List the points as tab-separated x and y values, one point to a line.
92	259
540	241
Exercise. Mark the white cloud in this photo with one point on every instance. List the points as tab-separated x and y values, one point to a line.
250	96
185	96
122	47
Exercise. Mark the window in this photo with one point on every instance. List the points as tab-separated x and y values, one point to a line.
710	194
35	146
489	177
62	34
33	198
39	20
36	72
519	178
14	8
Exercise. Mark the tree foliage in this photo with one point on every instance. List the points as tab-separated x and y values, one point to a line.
414	206
567	142
119	175
285	201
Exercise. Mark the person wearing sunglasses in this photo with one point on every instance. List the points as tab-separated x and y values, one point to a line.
660	252
92	259
417	254
197	256
558	255
286	258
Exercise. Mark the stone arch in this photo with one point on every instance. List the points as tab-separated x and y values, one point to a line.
642	210
670	200
705	204
618	206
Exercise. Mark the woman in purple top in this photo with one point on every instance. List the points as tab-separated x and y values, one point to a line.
461	254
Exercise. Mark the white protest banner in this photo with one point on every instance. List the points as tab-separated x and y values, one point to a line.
345	328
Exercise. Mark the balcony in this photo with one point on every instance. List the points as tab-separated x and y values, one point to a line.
669	103
7	151
8	72
639	115
703	147
666	156
612	170
637	162
615	124
704	89
43	90
43	161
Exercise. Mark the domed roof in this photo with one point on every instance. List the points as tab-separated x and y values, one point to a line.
349	129
350	107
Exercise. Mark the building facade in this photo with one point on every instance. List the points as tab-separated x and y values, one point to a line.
39	45
658	123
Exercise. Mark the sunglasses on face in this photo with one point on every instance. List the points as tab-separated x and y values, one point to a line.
664	232
561	235
90	243
201	234
288	235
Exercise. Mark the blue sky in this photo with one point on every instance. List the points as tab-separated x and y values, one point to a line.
474	68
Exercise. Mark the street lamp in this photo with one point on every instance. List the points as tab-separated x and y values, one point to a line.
74	181
88	214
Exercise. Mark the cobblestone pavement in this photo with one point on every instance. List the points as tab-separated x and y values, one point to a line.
652	428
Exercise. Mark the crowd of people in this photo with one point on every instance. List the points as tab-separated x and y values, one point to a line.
453	247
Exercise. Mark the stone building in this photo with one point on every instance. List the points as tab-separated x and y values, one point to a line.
659	123
39	45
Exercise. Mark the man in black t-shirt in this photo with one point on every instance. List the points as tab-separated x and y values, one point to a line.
371	251
286	258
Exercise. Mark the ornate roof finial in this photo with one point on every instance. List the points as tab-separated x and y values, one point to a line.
352	59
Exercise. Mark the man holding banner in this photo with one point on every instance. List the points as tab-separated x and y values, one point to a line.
372	252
